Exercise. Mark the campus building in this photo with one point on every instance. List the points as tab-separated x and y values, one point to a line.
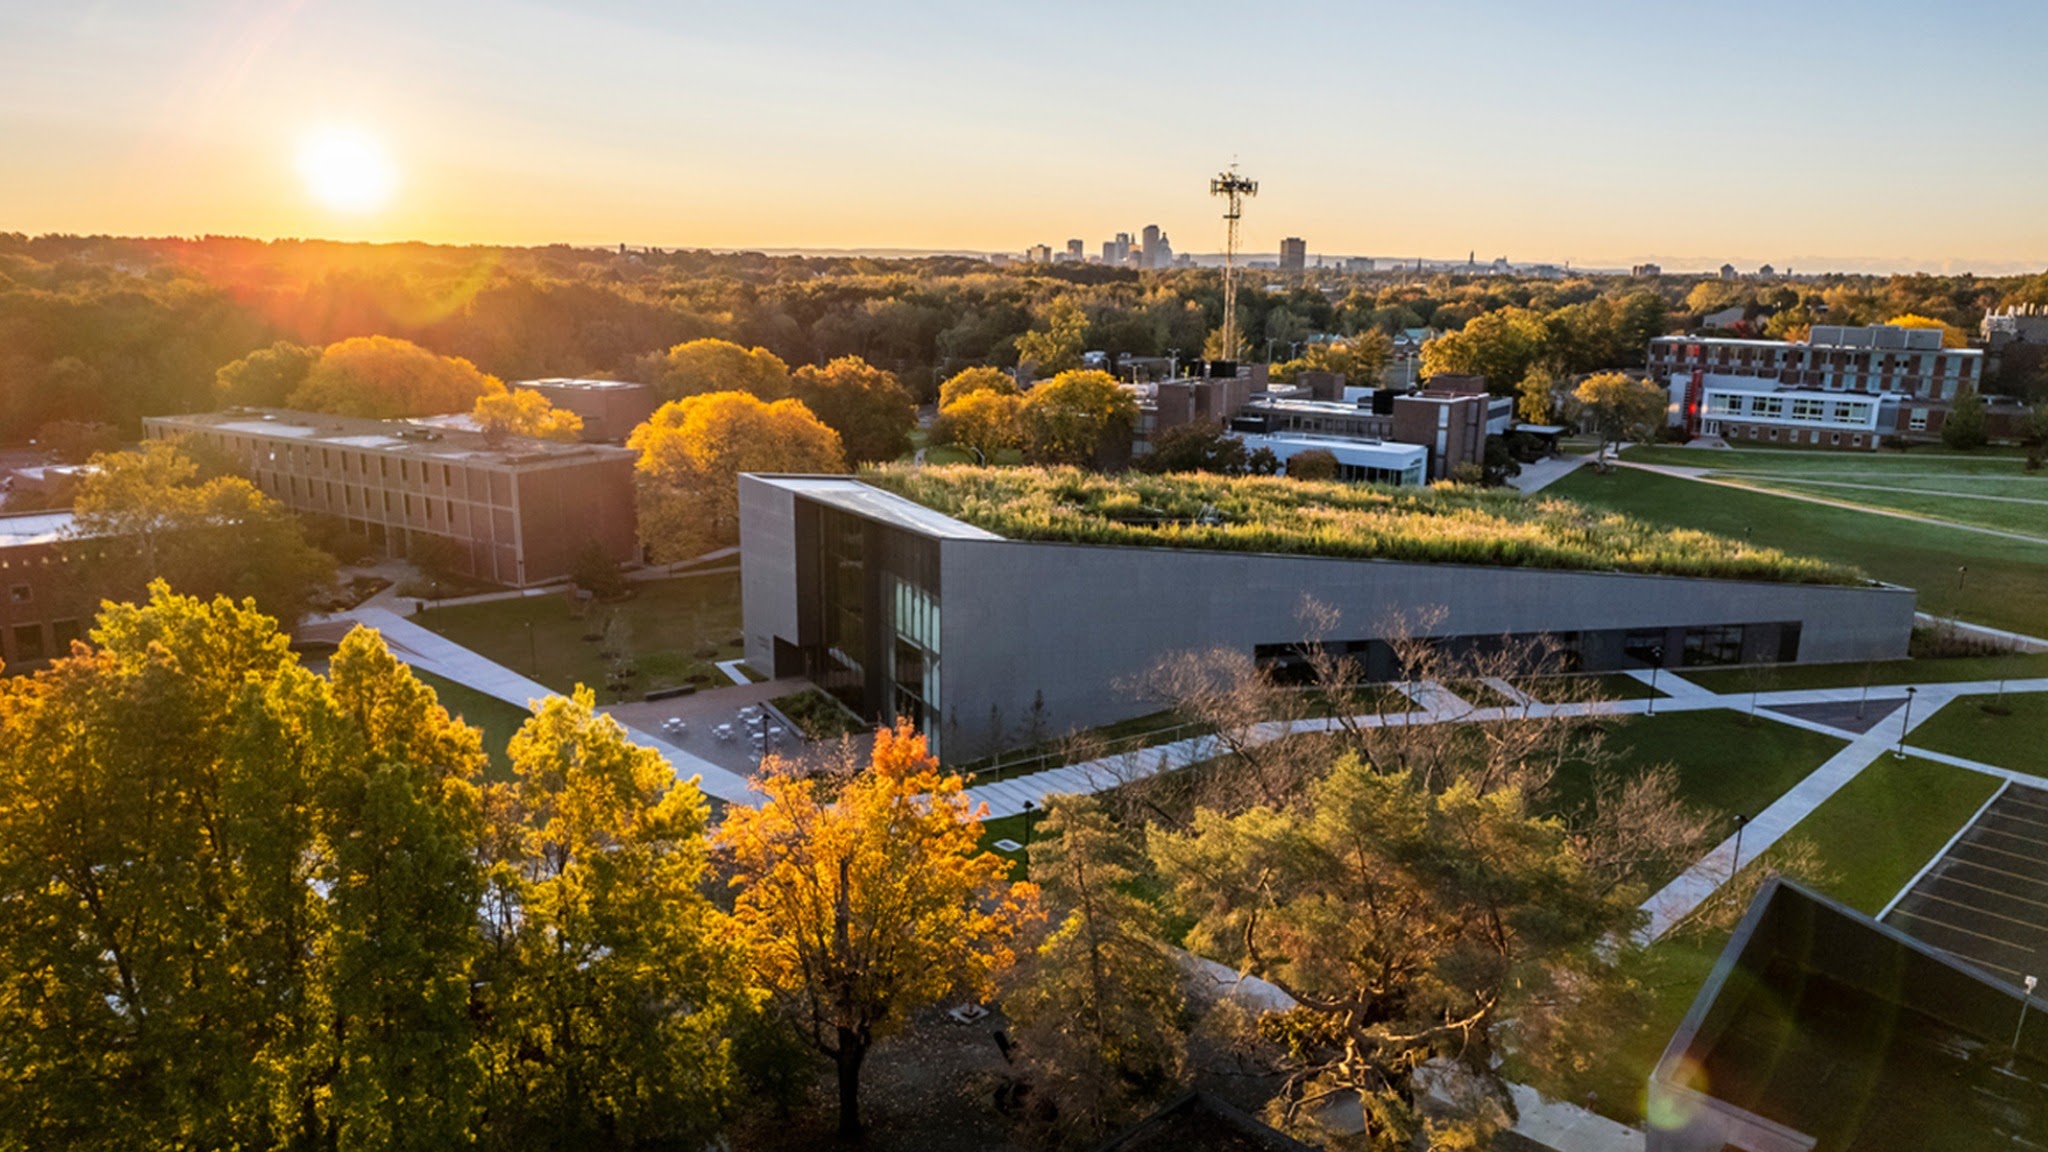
518	511
40	610
898	609
1822	1030
1840	388
610	409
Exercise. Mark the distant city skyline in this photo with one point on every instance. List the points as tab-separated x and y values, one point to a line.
1600	133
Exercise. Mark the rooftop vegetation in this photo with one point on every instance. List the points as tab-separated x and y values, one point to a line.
1445	524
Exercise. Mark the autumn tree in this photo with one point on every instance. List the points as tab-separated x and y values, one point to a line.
1500	346
1621	407
1536	396
985	422
77	441
699	367
692	452
872	413
502	412
978	379
265	378
1951	336
1055	347
1077	417
1099	1008
1313	464
611	981
864	903
384	378
1361	359
147	515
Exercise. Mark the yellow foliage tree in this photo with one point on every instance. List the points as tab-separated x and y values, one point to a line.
1074	416
384	378
864	905
984	422
968	381
503	411
1620	406
700	367
692	452
1951	336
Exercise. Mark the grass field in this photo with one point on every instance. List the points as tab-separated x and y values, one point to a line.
2017	740
1726	761
679	626
1874	836
2006	585
1787	677
499	720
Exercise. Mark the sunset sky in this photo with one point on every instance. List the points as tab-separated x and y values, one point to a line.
1850	135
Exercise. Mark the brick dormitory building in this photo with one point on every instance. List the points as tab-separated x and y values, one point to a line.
1840	388
521	511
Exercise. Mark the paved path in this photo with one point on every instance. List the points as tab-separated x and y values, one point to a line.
1545	472
2017	641
443	657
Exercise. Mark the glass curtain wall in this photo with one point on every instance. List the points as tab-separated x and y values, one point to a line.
878	651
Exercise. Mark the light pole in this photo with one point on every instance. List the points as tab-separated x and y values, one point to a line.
2025	1002
1029	807
1735	865
1656	662
1905	726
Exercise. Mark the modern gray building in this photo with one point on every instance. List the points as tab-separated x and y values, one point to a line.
898	609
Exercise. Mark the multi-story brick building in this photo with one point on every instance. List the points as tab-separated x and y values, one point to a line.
521	511
1841	388
41	609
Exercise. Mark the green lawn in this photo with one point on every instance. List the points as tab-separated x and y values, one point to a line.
1569	689
1957	507
499	720
2007	583
2017	740
1874	835
679	626
1725	760
1944	671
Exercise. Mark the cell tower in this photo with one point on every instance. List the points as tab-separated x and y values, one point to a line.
1234	188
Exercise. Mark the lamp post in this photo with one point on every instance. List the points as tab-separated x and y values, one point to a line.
1735	865
2025	1002
1905	726
1656	662
1029	807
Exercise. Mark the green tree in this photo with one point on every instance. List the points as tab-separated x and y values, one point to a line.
612	983
146	515
700	367
1500	346
978	379
1077	417
1099	1011
1409	924
1056	347
1621	407
872	413
1964	427
383	378
77	441
1198	446
265	378
692	452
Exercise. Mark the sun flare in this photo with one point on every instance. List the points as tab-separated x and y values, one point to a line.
347	170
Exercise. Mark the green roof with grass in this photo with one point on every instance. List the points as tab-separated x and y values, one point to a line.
1445	524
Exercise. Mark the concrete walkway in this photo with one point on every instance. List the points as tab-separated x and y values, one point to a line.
1545	472
443	657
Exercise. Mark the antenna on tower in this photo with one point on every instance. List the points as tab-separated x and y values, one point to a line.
1234	188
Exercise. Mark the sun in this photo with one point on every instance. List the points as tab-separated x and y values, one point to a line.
347	170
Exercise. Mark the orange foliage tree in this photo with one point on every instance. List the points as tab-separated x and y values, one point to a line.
863	905
502	412
692	452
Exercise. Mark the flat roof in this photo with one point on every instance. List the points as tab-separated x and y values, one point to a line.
439	438
1358	447
578	383
34	528
1289	404
851	495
